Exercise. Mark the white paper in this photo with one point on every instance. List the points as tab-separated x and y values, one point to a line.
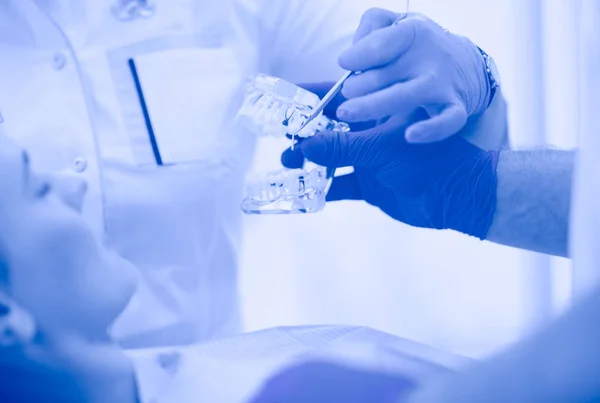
234	369
187	93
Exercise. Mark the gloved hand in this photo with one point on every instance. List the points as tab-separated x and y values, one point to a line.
414	64
320	382
321	89
450	184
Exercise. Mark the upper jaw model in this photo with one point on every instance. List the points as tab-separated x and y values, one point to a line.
275	107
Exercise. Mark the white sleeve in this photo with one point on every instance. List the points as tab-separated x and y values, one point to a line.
303	38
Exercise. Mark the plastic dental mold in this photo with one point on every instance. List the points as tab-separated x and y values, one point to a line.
275	107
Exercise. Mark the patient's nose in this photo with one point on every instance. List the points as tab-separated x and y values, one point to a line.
71	190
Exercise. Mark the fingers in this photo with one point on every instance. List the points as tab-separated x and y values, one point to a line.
380	47
337	150
358	149
440	126
374	80
321	89
374	19
292	159
326	149
399	98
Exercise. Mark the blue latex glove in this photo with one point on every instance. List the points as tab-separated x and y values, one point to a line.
319	382
296	160
450	184
414	64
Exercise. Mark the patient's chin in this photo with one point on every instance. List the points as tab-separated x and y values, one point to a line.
96	327
126	296
123	287
118	307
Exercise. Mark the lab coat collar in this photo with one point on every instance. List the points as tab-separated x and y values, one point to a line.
70	11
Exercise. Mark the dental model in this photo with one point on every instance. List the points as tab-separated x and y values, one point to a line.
274	107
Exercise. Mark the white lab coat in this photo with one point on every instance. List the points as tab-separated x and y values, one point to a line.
233	369
585	220
69	96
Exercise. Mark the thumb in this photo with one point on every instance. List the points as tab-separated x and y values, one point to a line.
342	149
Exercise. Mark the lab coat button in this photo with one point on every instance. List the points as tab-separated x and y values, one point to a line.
59	61
80	164
147	11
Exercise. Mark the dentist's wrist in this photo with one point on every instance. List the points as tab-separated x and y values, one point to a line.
465	199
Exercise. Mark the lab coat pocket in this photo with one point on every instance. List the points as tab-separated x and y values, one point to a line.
181	100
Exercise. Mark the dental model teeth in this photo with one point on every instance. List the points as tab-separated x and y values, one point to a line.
286	191
274	107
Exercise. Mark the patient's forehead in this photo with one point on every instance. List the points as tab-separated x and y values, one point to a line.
7	145
8	150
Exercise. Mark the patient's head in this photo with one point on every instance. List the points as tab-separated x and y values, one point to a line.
59	289
54	267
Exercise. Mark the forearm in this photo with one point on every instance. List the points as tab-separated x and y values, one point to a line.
533	200
534	187
559	365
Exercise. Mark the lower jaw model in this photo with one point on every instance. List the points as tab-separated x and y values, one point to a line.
273	107
287	191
